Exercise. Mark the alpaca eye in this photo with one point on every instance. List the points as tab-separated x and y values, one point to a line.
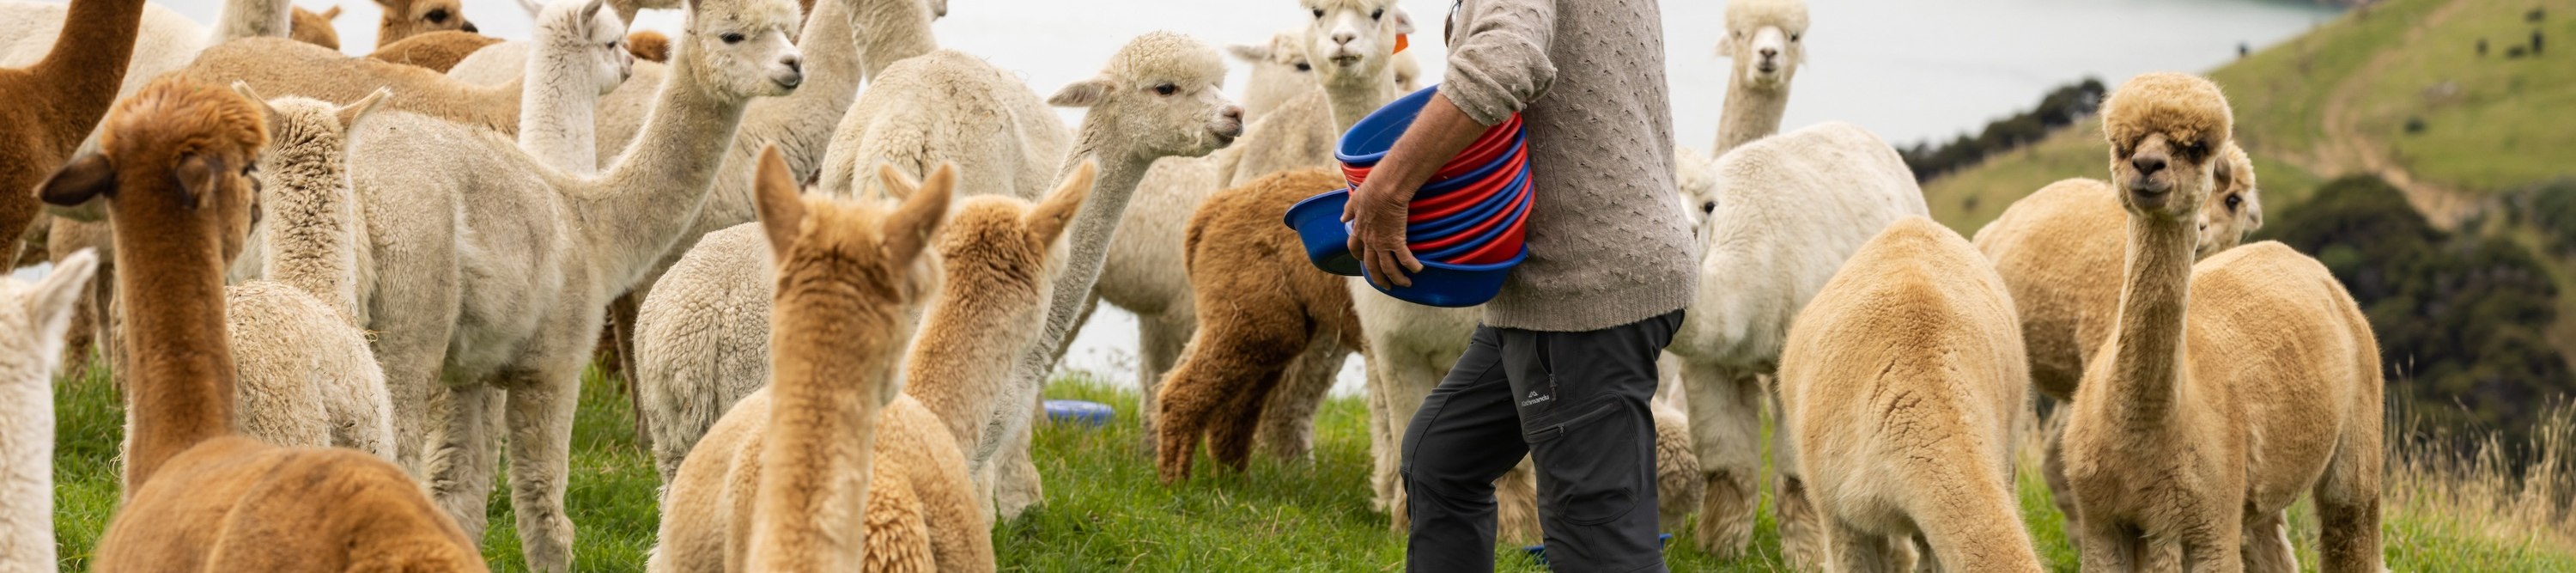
438	16
1380	13
1319	13
733	38
1304	67
2233	201
1793	37
1709	207
1166	89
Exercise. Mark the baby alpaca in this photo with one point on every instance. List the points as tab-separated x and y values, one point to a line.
1901	384
199	496
2226	388
38	314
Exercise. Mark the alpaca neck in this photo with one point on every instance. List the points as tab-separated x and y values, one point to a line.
2146	364
1120	170
251	19
311	243
555	105
1352	97
896	29
27	489
1752	112
85	68
170	281
631	216
969	342
824	384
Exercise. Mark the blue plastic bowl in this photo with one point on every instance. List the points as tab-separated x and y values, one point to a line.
1447	285
1318	221
1517	212
1086	413
1492	207
1438	187
1368	140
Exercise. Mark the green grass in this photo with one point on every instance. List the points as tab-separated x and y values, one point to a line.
1106	512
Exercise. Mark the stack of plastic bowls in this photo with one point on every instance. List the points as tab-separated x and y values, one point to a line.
1465	225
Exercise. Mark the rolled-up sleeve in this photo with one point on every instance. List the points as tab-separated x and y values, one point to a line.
1500	63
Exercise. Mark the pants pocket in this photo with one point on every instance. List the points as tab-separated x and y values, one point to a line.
1594	467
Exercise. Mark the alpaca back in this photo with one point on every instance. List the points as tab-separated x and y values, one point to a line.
948	106
2274	329
280	67
702	340
2054	249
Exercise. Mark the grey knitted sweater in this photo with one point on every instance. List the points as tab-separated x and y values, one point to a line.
1608	243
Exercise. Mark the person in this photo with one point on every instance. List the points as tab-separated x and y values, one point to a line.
1564	362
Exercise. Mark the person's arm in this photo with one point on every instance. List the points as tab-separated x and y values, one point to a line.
1498	65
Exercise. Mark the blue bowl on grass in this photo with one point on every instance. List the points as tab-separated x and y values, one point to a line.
1318	221
1077	411
1447	285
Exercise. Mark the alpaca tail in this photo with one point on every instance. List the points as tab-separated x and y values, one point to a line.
1965	507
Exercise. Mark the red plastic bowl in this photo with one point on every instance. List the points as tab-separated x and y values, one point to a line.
1450	203
1520	202
1502	248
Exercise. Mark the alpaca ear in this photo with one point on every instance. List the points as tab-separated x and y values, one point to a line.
74	192
54	298
1085	93
1046	223
908	231
267	113
1249	54
533	7
1726	46
1403	20
349	114
590	12
781	210
332	14
199	176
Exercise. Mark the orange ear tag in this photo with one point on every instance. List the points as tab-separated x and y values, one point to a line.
1401	43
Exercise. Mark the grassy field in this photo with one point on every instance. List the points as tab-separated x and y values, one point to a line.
1105	512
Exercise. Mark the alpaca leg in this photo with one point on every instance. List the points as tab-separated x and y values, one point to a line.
1849	549
540	417
1227	360
1288	422
2052	466
1383	444
1677	474
1238	417
1403	381
458	462
621	328
2220	550
1795	512
1726	428
2105	547
2347	499
80	339
2267	544
1516	506
1159	339
1015	473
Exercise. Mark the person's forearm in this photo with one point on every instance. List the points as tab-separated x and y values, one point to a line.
1438	133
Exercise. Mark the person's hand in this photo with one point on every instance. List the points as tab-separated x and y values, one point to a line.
1377	212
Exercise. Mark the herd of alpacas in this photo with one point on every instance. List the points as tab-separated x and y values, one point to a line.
336	292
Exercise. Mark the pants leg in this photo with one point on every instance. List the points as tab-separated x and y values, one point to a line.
1465	435
1583	407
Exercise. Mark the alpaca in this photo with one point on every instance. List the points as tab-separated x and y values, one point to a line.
1901	384
315	28
438	51
41	312
1787	211
199	496
489	268
690	340
57	100
2050	249
2183	459
789	480
555	125
652	46
1280	72
407	18
946	105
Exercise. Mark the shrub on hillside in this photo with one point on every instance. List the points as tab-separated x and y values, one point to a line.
2060	108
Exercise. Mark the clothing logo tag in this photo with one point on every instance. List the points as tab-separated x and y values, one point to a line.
1536	397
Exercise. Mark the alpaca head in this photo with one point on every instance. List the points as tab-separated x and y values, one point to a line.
1280	72
1160	96
742	48
1765	38
848	270
1353	41
407	18
593	40
37	315
175	158
2167	133
307	150
997	250
314	28
2235	207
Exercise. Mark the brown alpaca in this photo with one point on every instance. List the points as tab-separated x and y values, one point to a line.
437	51
201	497
787	480
2051	251
281	67
407	18
2190	460
1264	322
312	28
53	104
652	46
1901	384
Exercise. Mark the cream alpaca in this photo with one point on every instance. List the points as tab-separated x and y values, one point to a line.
490	269
40	313
1901	385
2191	459
689	339
166	169
789	480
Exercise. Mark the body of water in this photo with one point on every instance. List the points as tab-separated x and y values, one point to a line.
1906	69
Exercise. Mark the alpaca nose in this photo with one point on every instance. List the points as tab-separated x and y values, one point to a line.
1769	53
794	63
1231	112
1345	38
469	27
2148	165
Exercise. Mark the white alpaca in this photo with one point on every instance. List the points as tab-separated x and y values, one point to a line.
948	106
37	315
699	325
490	269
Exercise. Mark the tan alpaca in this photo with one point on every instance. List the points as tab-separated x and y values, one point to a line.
2183	460
784	481
2051	251
406	18
314	28
202	497
281	67
54	103
435	51
1901	384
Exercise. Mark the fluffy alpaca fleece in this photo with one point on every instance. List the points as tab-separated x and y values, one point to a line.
555	124
39	313
435	51
706	313
1782	216
56	100
200	496
1766	44
490	269
2183	459
2051	250
948	106
315	28
1280	72
406	18
790	481
652	46
1901	385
